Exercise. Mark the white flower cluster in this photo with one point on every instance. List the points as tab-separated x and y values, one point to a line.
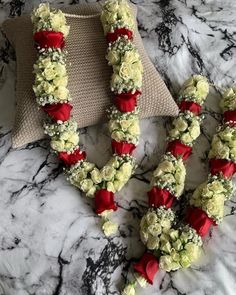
44	18
51	77
179	248
223	145
228	101
127	66
170	175
195	89
124	126
186	128
64	135
113	176
211	196
117	14
153	224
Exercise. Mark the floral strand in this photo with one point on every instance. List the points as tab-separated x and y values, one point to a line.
157	225
53	97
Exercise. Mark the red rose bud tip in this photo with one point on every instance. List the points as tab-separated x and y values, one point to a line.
59	111
199	220
73	158
49	39
227	168
126	102
230	117
160	197
147	267
190	106
177	148
112	37
122	148
104	200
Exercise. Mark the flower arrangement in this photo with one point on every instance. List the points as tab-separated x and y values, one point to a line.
171	248
53	97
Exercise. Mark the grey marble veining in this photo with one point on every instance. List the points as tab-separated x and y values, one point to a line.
50	239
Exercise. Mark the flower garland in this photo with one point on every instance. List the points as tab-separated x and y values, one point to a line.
53	97
170	249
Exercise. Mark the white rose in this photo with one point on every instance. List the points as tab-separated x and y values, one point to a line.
60	70
186	138
43	11
194	131
134	128
110	187
125	124
129	290
168	178
118	185
109	228
86	185
48	88
115	80
57	21
91	192
113	57
96	176
49	74
131	56
118	135
153	243
88	166
57	145
126	169
126	71
60	81
108	173
180	124
62	93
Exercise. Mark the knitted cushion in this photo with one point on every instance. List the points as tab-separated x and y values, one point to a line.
89	74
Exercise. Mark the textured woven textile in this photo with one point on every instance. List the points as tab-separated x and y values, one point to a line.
89	74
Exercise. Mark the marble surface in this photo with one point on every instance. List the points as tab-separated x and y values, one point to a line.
50	239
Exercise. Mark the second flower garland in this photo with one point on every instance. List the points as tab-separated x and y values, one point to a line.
53	97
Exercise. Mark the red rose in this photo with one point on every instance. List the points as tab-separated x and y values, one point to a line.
59	111
126	102
104	200
227	168
230	116
122	148
177	148
112	37
199	220
73	158
49	39
160	197
147	267
190	106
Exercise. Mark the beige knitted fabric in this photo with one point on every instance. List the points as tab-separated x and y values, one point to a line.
89	74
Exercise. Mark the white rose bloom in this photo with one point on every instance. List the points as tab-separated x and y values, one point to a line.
60	81
109	228
49	74
118	135
180	124
96	176
129	290
131	56
91	192
126	71
118	185
110	187
43	11
57	145
186	138
108	173
62	93
86	185
113	57
134	128
194	131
